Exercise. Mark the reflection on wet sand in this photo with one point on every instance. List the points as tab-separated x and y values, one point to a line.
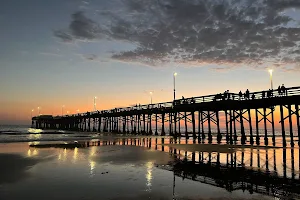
267	171
14	167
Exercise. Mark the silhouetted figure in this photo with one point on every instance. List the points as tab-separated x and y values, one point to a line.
228	95
247	94
193	100
253	96
283	90
279	90
240	95
225	95
263	94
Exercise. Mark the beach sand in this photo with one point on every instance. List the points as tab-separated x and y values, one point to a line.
97	172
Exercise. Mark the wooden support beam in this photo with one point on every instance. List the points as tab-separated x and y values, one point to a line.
185	125
273	126
209	127
257	127
202	126
194	126
250	127
282	127
298	123
243	135
199	130
219	136
163	124
226	121
234	127
99	124
156	121
265	127
291	125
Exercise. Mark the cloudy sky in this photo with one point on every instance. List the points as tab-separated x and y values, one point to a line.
65	52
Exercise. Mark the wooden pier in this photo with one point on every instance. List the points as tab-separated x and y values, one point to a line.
204	115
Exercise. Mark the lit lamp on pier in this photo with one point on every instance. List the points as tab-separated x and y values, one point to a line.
62	110
39	110
271	77
174	77
151	93
32	112
95	103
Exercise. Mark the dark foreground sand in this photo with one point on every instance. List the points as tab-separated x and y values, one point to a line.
105	172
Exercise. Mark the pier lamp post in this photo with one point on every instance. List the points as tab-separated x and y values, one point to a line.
77	111
62	110
95	103
150	97
32	112
271	77
174	77
39	110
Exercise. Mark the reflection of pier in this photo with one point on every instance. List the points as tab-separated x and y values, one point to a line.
202	114
272	172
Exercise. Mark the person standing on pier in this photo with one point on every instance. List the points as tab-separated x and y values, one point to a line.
279	90
247	94
283	90
240	95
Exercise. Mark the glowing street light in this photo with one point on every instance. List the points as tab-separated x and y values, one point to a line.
77	110
62	110
32	112
271	77
151	97
95	103
174	76
39	110
67	112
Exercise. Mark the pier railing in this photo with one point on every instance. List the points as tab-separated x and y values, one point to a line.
205	99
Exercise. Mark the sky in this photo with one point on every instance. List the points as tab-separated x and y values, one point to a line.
66	52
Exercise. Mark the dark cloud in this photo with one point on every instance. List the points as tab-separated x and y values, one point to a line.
83	27
91	57
231	32
64	36
80	27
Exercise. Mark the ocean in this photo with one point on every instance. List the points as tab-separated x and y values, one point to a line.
24	133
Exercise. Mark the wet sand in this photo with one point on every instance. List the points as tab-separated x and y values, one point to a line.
97	172
221	148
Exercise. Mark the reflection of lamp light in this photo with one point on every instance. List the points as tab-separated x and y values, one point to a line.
92	167
75	156
29	153
149	174
35	152
65	154
93	150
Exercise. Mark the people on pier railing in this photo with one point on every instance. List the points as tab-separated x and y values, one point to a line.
184	101
282	90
